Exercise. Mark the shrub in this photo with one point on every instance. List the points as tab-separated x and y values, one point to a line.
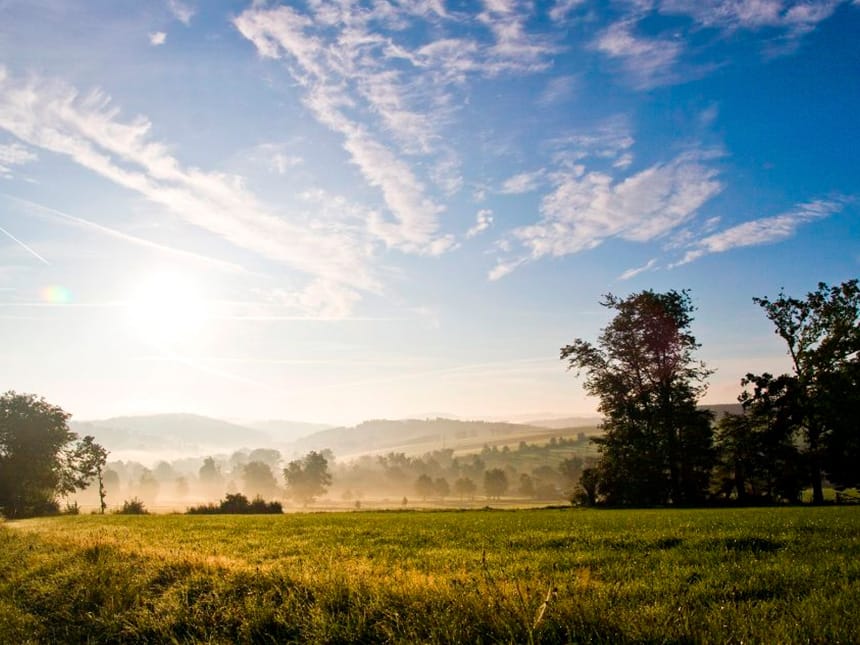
237	504
132	506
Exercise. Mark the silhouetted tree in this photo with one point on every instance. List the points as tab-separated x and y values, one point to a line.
527	485
657	446
210	476
465	487
571	471
258	480
441	487
822	334
92	458
424	486
495	483
758	458
40	458
307	478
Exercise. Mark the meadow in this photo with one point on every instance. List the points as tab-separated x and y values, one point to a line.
766	575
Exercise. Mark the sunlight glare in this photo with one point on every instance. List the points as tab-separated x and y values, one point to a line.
167	308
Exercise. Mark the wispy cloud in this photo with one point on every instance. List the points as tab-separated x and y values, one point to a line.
794	18
563	8
557	90
647	62
88	129
766	230
391	97
182	11
157	38
632	273
79	222
14	154
584	209
483	221
524	182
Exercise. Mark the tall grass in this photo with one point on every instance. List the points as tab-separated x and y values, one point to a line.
732	575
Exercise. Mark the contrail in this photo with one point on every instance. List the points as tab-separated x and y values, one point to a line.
85	223
24	246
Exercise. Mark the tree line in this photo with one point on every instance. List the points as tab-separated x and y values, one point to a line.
659	447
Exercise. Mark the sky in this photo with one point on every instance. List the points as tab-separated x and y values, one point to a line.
338	211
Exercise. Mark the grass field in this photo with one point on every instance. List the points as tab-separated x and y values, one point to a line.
552	576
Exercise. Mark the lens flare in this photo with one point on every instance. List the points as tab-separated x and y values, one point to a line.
56	295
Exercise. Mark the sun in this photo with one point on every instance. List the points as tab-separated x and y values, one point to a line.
167	308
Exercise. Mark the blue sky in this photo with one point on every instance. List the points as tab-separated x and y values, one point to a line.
334	211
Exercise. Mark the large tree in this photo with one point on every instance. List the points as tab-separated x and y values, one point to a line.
822	334
307	478
657	446
40	457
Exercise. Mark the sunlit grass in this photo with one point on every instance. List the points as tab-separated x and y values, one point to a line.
751	575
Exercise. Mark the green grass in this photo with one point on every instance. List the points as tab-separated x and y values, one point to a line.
669	576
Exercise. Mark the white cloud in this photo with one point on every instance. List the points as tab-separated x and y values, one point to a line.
315	63
14	154
182	11
795	17
504	268
483	221
157	38
766	230
522	183
648	62
631	273
391	96
562	8
583	210
610	140
558	89
87	129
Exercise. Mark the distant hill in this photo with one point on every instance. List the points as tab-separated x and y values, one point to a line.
174	432
566	422
282	430
417	436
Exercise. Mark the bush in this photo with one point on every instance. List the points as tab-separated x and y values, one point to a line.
237	504
132	506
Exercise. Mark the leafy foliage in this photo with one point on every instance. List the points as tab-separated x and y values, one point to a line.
657	446
40	457
238	504
820	401
307	478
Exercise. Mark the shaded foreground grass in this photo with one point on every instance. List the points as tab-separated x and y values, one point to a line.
739	575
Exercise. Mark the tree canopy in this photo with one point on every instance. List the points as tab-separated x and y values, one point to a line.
307	478
40	457
657	446
820	400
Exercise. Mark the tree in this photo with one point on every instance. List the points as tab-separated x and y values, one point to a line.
495	483
92	459
527	486
465	487
822	334
441	487
210	476
571	471
258	480
757	456
657	445
307	478
40	458
424	486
